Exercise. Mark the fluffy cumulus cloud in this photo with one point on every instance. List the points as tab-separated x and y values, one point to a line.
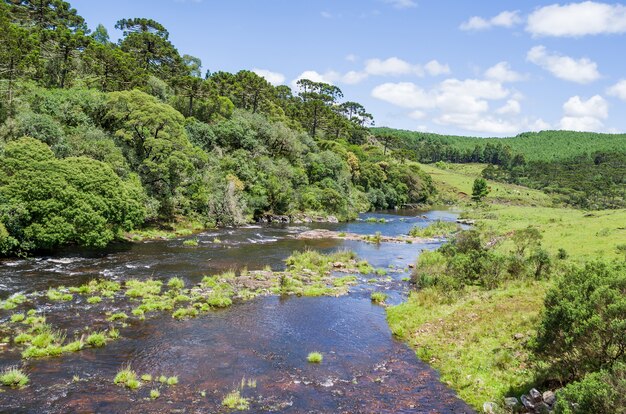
274	78
504	19
618	90
564	67
502	72
581	115
577	19
392	67
465	104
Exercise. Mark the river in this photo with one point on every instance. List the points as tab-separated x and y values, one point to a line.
262	343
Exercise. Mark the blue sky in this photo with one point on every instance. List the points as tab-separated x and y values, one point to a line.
492	68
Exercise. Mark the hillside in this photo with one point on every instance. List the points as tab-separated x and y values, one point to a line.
535	146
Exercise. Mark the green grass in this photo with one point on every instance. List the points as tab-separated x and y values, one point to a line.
56	295
154	394
94	299
172	380
176	283
17	317
191	243
97	340
14	378
379	297
582	235
455	183
315	357
126	377
470	340
235	401
437	229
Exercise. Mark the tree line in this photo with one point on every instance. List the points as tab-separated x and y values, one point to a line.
100	137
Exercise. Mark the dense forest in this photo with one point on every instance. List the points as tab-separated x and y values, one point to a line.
585	170
98	138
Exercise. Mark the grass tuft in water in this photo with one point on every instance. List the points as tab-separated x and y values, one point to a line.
235	401
315	357
94	299
97	340
14	378
379	297
127	378
154	394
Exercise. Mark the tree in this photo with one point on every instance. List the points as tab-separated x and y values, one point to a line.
317	99
16	54
147	40
156	144
480	189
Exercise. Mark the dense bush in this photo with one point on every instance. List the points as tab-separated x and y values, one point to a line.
46	202
471	259
598	392
584	321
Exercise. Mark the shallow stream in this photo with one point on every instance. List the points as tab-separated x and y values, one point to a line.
262	343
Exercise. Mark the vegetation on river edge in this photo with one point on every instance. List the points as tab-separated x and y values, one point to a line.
482	317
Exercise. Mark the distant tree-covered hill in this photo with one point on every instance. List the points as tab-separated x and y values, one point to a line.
534	146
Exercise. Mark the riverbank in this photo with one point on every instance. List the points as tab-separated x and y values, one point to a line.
477	338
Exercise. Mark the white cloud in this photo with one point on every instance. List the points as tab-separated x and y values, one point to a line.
595	106
564	67
578	19
326	15
392	67
504	19
586	115
465	104
404	94
511	107
434	68
618	90
353	77
352	57
502	72
274	78
402	4
328	77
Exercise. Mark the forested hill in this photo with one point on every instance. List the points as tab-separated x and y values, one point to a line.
98	138
534	146
583	169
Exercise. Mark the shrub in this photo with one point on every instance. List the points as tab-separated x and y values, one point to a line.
598	392
584	321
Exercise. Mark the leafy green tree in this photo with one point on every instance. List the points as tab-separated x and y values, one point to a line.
156	144
480	189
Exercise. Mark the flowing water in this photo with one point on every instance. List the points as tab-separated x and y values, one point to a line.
265	340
